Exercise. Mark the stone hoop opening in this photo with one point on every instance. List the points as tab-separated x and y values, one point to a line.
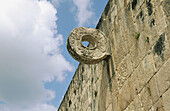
91	40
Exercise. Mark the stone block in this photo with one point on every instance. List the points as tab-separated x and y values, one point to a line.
166	100
146	70
146	99
143	44
109	108
129	36
126	95
135	56
163	77
105	76
109	95
166	51
138	103
102	102
161	50
139	21
166	9
136	5
119	4
158	106
156	3
124	70
114	86
154	89
168	33
131	107
93	105
113	13
118	43
135	82
85	105
115	104
97	89
88	109
160	20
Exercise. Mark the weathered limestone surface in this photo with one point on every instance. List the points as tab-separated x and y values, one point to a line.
97	50
136	77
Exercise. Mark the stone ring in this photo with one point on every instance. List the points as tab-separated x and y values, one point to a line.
97	50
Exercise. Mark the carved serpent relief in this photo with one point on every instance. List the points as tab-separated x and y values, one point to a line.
97	50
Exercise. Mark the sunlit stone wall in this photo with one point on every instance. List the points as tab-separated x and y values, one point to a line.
137	75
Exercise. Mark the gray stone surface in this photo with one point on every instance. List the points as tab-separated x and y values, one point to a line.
136	75
97	50
166	100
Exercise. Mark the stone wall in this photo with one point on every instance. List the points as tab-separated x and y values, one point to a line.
137	75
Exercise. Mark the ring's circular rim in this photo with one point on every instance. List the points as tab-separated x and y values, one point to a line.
86	54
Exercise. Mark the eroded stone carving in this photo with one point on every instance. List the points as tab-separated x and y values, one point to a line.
98	48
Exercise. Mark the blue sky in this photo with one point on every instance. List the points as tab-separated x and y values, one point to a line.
35	67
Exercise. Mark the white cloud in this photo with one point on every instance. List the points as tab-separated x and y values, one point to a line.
84	13
29	54
38	107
